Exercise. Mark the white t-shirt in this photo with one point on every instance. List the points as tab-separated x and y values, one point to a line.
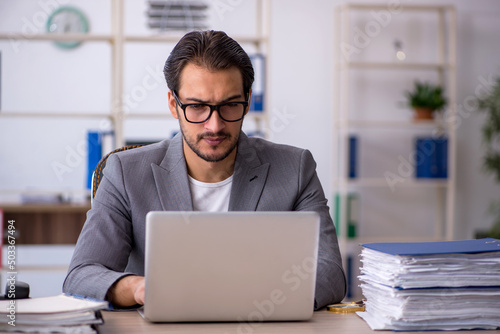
212	197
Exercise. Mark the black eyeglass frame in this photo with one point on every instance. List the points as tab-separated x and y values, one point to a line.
212	108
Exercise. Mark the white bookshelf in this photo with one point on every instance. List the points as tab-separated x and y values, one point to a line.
117	39
345	123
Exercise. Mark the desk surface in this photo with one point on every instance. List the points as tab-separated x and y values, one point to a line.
322	322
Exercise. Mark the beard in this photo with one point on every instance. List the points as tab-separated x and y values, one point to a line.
212	153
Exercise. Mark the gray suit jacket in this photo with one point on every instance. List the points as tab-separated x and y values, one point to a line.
267	177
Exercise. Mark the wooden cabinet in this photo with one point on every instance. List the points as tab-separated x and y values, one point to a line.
45	224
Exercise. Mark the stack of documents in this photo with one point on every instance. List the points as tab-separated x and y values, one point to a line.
449	285
57	314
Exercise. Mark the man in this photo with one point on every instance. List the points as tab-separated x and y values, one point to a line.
211	166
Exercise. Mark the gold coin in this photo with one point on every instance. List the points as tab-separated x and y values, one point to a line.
345	308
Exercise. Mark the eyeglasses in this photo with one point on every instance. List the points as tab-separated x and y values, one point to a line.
201	112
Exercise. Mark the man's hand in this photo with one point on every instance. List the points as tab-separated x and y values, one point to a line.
128	291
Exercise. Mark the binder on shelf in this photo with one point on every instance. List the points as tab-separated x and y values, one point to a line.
94	154
353	154
352	214
431	157
257	101
99	143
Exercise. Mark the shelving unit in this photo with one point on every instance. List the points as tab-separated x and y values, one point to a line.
61	223
344	122
117	40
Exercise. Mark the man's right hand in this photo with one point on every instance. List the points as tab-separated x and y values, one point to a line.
127	291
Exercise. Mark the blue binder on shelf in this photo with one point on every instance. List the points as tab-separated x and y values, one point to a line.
353	156
94	154
437	247
431	157
257	101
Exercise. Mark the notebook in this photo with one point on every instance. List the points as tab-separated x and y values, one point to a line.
231	266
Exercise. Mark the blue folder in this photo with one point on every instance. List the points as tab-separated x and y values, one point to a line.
353	156
432	157
439	247
94	154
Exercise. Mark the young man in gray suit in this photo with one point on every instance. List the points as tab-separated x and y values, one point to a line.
210	166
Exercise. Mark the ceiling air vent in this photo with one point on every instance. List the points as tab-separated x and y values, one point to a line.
177	15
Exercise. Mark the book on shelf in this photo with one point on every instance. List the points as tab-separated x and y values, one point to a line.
431	157
450	285
55	314
353	156
99	143
257	100
352	214
352	217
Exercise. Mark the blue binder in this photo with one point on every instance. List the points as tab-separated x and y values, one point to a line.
353	156
431	157
94	154
437	247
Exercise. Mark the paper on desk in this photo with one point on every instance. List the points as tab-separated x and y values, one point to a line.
56	314
432	286
435	270
379	323
50	305
79	329
429	304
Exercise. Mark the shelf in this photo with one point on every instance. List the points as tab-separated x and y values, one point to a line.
381	182
159	38
52	114
167	114
391	124
394	65
174	38
29	208
117	39
442	66
361	6
57	37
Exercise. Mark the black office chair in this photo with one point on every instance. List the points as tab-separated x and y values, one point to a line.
97	175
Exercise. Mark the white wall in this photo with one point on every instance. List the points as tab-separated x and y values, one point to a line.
40	77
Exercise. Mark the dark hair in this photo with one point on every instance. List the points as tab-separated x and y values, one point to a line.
213	50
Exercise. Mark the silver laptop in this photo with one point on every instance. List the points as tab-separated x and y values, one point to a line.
232	266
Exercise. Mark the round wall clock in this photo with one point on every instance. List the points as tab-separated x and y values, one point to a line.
67	20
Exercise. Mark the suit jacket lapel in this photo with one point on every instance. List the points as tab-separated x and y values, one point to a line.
249	177
171	178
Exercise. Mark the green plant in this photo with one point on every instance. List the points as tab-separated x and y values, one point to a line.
490	105
426	95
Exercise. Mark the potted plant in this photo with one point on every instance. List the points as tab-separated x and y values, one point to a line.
425	99
490	105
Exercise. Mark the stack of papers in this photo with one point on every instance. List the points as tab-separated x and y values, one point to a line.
57	314
449	285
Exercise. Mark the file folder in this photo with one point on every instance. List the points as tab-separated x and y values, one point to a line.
441	247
